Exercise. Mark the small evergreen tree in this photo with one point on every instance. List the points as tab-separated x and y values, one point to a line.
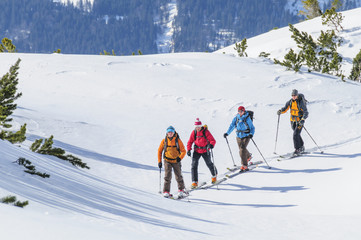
264	54
333	19
241	48
319	56
356	68
16	137
31	168
108	53
7	45
292	61
8	95
46	148
312	8
12	200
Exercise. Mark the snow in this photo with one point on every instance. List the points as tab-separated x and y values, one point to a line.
279	42
72	1
112	112
165	40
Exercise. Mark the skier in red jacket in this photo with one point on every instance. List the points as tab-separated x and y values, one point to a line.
203	142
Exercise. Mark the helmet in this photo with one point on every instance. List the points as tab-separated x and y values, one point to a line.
170	129
241	108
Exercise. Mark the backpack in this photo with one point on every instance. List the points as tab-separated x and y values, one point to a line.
300	98
166	143
204	128
250	115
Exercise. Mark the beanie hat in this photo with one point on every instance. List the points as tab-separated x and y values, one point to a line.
198	123
294	92
241	108
170	129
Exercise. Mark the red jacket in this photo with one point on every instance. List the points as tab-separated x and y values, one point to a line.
201	140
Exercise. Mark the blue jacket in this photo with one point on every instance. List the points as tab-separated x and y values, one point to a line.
243	124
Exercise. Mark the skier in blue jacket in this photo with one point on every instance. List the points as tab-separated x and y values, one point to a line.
245	131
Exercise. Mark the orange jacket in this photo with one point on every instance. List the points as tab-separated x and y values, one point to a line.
298	110
171	153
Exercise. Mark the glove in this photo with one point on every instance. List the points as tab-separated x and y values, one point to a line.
225	135
178	159
302	122
247	131
279	112
210	146
189	153
160	164
250	136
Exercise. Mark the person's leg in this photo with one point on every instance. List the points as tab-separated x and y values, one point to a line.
177	168
194	169
209	163
167	176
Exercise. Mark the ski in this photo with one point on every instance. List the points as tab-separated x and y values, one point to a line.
210	184
235	168
177	197
291	155
240	172
227	175
190	189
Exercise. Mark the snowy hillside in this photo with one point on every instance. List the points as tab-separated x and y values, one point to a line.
112	112
279	42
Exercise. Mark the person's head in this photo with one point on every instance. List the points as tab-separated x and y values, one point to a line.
241	110
198	124
170	131
294	94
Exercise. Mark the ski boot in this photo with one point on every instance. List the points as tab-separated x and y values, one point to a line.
244	168
194	185
167	195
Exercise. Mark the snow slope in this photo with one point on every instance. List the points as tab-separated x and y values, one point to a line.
112	112
279	42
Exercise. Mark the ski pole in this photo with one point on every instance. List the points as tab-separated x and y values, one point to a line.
160	180
230	151
214	165
278	124
260	153
312	138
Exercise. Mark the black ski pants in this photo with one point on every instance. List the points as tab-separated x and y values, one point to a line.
195	161
297	139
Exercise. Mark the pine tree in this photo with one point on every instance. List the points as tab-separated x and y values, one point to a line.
319	56
17	137
47	148
12	200
312	8
8	94
6	44
333	19
292	61
241	48
356	68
